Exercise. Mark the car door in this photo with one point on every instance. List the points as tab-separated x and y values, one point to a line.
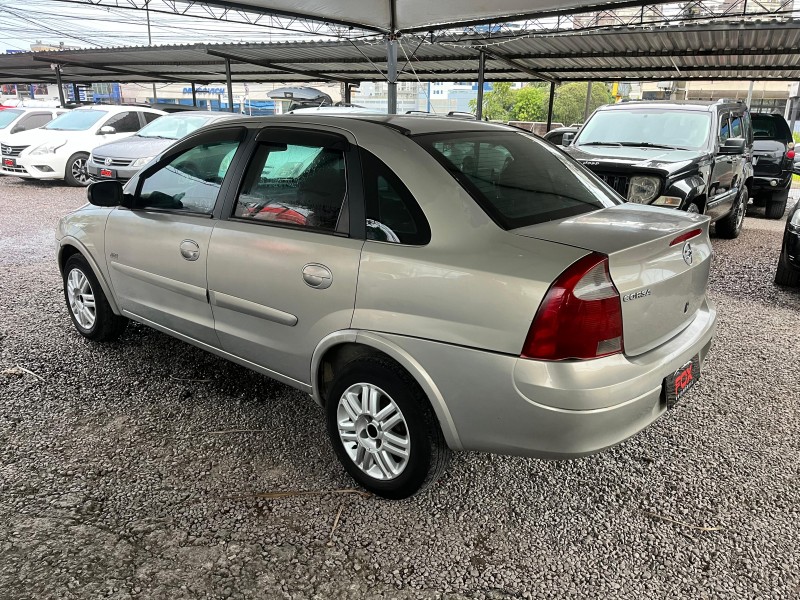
721	194
157	251
283	265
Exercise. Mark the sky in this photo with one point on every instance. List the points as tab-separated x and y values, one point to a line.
23	23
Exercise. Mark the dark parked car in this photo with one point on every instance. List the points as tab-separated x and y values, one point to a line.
693	156
788	272
773	158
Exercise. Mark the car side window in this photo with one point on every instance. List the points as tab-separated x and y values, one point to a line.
393	214
127	122
150	117
191	181
294	185
34	121
724	128
736	126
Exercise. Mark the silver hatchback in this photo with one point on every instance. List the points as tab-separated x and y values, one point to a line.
434	284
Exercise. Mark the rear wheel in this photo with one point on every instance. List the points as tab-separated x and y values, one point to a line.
77	173
730	226
384	430
785	275
88	307
776	204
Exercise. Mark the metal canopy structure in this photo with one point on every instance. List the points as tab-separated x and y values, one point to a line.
761	50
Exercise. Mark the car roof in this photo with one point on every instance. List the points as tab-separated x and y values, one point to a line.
111	108
696	105
405	124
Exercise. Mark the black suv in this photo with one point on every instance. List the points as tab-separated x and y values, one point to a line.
773	158
693	156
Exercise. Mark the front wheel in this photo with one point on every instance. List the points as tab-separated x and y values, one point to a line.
384	430
730	226
88	307
77	171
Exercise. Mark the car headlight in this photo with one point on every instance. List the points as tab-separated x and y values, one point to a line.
671	201
47	148
141	161
643	188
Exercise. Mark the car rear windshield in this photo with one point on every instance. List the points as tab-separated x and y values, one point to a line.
517	179
646	127
7	116
173	128
771	127
76	120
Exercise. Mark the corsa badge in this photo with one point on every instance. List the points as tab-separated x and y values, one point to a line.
688	256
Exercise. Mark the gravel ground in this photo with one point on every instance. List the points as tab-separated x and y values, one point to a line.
115	480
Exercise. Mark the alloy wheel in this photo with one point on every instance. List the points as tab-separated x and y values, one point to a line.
373	431
79	171
81	299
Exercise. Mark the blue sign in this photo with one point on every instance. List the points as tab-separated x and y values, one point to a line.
14	51
206	90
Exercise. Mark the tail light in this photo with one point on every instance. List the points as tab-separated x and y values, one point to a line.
790	154
580	317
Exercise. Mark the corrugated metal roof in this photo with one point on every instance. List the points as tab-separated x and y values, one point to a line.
715	50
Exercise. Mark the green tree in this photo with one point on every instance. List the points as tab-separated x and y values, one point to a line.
498	103
570	101
530	104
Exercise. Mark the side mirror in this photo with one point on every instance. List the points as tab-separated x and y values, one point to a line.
106	130
105	193
566	139
733	146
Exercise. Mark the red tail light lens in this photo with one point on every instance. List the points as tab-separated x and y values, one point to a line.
686	236
790	154
580	316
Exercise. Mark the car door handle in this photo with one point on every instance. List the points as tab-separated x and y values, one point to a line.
317	276
190	250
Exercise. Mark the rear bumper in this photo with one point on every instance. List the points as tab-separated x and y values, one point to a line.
507	405
764	184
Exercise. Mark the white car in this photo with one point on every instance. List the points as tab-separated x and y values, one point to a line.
60	149
17	120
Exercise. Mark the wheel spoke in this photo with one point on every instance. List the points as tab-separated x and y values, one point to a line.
391	421
364	395
352	405
395	445
384	464
373	401
88	300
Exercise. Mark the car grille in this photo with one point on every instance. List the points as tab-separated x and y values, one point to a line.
112	162
16	169
619	183
11	150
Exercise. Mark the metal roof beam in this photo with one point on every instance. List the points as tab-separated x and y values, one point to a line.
117	70
515	65
280	68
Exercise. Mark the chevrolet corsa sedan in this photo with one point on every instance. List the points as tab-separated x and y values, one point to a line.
434	284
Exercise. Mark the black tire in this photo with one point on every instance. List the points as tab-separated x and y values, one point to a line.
730	226
76	173
785	274
106	326
428	453
776	204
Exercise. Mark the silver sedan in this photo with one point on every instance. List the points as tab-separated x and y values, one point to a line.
434	284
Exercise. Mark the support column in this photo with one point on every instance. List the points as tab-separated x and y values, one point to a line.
588	102
481	73
750	95
391	62
75	93
347	95
60	86
550	103
194	94
230	83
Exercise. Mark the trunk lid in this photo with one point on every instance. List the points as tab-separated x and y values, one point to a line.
660	290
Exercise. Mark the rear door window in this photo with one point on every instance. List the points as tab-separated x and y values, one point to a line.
294	185
724	128
517	179
127	122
